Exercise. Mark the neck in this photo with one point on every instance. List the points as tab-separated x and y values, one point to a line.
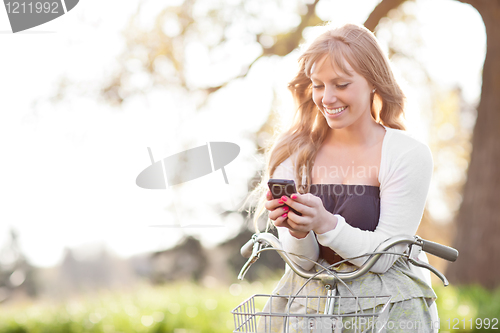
360	134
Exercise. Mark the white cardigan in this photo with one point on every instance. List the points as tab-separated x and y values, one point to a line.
404	175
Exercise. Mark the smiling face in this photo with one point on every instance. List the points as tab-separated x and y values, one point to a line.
344	99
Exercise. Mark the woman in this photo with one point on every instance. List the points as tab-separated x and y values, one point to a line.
361	179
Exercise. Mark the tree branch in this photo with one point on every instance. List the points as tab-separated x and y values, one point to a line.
381	11
285	43
288	42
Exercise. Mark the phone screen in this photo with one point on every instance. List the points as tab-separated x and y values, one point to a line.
279	190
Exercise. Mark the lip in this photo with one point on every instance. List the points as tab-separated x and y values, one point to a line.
337	114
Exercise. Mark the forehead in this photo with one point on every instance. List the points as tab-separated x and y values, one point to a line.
327	65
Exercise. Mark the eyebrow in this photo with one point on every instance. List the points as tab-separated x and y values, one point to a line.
340	77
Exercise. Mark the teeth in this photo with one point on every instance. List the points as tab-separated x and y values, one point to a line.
334	111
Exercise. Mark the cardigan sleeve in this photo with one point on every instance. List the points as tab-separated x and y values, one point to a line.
307	246
402	200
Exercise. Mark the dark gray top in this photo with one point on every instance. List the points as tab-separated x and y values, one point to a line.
358	204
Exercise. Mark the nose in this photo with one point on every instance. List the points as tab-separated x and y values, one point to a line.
329	96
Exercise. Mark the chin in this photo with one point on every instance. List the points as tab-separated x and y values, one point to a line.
336	124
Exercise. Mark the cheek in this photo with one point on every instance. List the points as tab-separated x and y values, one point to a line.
316	97
357	97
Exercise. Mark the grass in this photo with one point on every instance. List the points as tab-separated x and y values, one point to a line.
190	308
180	308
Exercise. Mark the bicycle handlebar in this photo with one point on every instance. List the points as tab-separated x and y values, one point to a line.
253	247
442	251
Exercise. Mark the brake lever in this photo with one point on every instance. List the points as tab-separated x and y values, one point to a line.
253	258
413	258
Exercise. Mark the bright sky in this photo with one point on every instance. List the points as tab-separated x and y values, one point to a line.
68	170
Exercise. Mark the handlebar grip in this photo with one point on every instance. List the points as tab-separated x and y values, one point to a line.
440	250
247	249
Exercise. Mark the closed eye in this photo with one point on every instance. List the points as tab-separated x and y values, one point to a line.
339	86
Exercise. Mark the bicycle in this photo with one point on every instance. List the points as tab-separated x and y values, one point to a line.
329	315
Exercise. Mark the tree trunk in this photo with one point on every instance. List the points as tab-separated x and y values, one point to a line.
478	220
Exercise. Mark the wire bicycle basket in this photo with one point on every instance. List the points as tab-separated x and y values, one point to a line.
263	313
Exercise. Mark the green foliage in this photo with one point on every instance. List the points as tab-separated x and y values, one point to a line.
180	308
468	309
188	308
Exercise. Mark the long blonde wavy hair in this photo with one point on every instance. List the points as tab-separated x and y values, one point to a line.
359	47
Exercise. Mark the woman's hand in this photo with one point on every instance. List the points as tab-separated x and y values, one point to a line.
278	213
314	215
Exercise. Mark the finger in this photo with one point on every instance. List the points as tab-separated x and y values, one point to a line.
279	212
281	222
284	223
306	199
295	227
269	195
273	204
297	221
303	209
